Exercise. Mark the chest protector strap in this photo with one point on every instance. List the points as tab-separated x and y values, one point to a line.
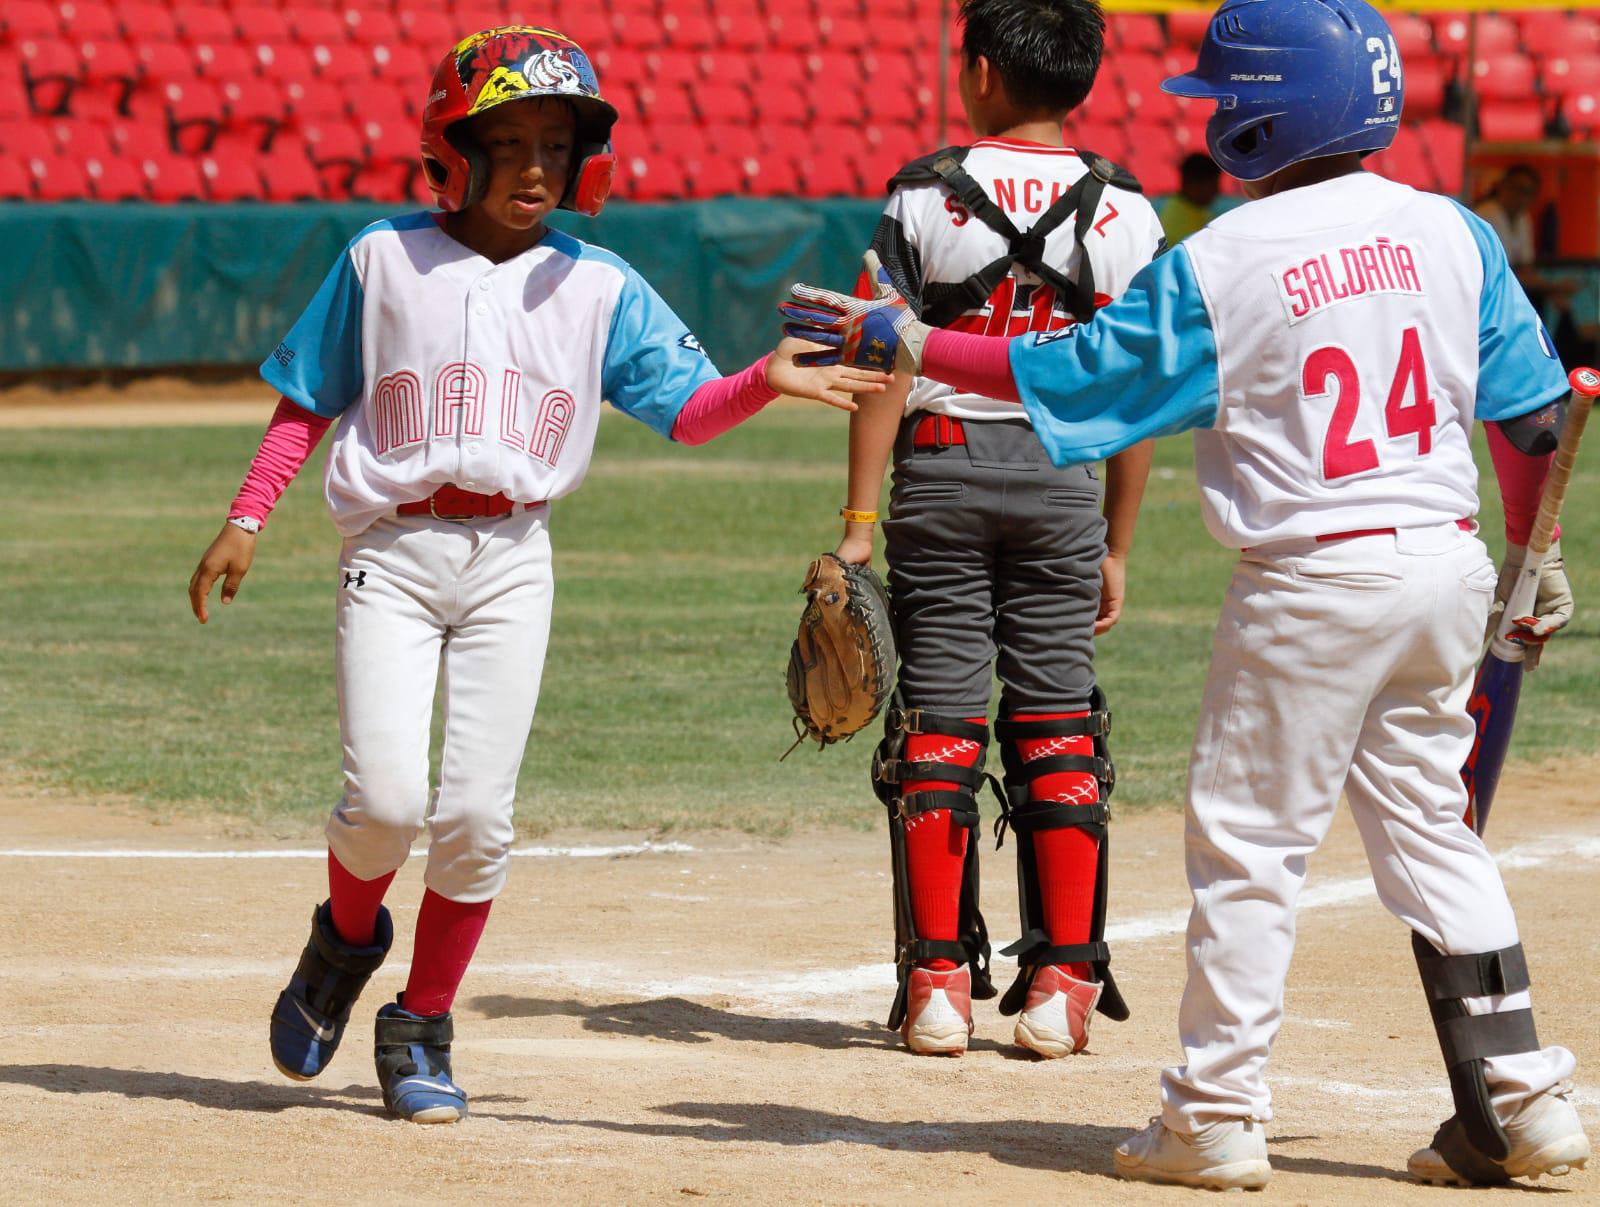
942	303
889	771
1026	817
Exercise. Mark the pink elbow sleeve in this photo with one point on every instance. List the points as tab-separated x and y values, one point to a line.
974	364
292	435
1521	479
720	405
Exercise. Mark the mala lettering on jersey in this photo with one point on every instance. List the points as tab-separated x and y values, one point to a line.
443	367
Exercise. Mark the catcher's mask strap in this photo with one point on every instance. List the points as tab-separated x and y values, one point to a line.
1467	1040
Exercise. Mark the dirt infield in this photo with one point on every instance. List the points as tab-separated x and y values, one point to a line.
699	1020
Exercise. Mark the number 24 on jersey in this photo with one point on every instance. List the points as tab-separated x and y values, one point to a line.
1330	372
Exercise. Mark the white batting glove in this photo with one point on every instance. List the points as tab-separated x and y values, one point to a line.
1553	604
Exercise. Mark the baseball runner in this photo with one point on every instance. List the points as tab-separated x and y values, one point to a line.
1330	342
461	358
994	551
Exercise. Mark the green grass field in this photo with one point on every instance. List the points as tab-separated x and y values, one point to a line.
663	704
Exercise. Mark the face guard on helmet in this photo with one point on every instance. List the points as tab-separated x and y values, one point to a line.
510	64
1294	80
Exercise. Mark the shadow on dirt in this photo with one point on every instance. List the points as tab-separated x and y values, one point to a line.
681	1021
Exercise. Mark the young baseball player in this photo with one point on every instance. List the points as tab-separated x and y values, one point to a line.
1330	343
461	358
993	551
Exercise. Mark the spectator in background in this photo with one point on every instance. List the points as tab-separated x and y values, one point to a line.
1194	204
1509	209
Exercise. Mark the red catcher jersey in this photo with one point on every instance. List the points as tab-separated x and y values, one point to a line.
926	235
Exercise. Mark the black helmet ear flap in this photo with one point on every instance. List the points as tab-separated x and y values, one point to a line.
477	163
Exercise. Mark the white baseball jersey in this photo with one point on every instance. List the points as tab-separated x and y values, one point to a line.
1332	343
443	367
926	236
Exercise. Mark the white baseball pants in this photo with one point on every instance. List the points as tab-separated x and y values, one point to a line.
417	594
1342	666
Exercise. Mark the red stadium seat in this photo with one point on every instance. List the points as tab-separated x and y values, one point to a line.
16	184
261	24
371	26
194	114
689	31
381	100
197	23
30	19
1413	37
1511	121
1562	74
336	149
224	60
1581	110
1495	34
57	178
230	179
1407	161
313	99
1545	33
81	139
315	26
113	180
1425	89
13	97
1136	31
161	60
1187	27
429	28
718	102
146	22
667	103
27	140
134	140
1504	77
173	178
777	174
286	62
744	34
86	19
256	106
50	69
641	31
673	67
287	175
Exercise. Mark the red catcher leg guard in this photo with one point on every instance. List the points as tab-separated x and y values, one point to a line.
354	903
447	935
936	848
1067	859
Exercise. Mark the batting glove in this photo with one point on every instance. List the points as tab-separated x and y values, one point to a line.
1553	604
878	333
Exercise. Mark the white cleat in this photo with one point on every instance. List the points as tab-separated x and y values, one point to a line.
938	1012
1055	1017
1546	1138
1229	1155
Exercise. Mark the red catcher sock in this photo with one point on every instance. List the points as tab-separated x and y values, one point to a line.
1067	859
447	935
354	902
936	848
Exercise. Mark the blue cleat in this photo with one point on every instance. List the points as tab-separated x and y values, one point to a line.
413	1055
310	1017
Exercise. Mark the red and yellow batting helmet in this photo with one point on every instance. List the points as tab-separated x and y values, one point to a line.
510	64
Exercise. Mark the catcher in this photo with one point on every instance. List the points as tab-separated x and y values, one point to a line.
997	558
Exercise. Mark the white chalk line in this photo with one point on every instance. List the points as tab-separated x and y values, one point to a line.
538	852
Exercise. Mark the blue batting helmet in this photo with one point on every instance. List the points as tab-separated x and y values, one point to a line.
1293	80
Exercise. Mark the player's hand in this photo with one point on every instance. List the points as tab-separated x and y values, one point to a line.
1113	588
880	333
229	559
1553	605
834	384
856	547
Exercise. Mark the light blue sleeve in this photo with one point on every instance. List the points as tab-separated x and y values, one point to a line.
1517	367
318	364
1145	366
653	363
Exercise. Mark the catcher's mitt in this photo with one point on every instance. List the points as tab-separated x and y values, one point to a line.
842	663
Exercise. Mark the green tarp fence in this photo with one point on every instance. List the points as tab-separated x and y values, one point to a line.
90	286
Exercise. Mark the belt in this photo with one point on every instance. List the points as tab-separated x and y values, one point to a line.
453	503
1464	525
938	431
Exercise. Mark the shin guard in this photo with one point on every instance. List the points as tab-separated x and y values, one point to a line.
1472	1140
890	770
1026	816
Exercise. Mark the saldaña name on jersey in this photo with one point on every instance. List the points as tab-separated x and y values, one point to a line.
1338	274
402	416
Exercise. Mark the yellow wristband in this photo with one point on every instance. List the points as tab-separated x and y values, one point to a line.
859	517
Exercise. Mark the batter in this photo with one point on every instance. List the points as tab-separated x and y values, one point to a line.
1331	343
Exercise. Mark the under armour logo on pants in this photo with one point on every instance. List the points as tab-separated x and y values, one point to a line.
357	578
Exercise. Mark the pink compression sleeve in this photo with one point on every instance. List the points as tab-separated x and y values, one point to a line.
291	436
1521	479
974	364
725	403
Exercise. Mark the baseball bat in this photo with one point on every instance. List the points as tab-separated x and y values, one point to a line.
1498	687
